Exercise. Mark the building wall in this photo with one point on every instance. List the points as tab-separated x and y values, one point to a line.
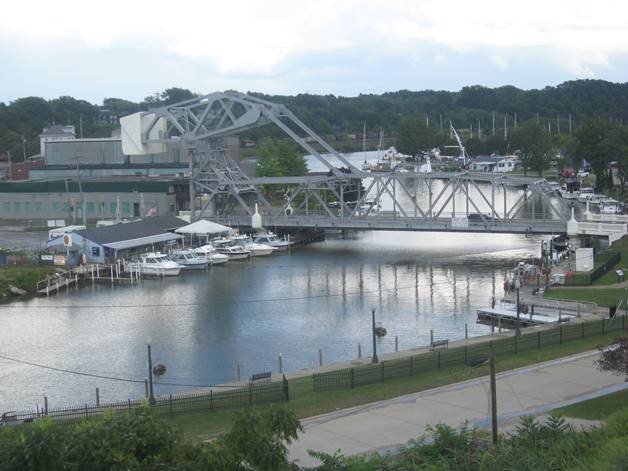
68	206
45	173
89	151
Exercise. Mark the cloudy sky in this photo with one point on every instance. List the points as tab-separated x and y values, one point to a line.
131	49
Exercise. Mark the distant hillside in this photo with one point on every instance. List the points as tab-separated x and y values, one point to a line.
23	119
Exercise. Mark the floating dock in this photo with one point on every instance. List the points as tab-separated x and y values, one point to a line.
508	316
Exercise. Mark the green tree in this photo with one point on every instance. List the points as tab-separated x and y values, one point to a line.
616	145
534	146
591	138
413	135
279	158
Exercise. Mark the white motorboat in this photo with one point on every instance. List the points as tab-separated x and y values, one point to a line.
259	250
272	240
611	206
231	249
155	264
568	193
211	255
586	194
234	252
189	259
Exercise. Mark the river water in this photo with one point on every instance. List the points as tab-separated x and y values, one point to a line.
202	324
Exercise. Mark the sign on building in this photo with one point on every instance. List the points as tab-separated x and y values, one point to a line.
67	240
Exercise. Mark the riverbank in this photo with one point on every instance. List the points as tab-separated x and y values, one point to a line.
307	403
24	278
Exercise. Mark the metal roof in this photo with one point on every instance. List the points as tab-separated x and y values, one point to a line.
128	244
148	227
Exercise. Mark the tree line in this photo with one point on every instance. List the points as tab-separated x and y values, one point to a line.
472	110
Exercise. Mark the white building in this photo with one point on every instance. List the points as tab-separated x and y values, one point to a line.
494	164
55	132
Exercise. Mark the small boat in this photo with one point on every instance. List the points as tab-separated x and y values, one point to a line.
568	193
234	252
155	264
189	259
231	249
272	240
554	187
211	255
611	206
586	194
259	250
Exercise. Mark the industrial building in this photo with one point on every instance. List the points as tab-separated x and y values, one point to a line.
96	199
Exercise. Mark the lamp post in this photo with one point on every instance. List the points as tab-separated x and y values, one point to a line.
151	395
517	286
375	359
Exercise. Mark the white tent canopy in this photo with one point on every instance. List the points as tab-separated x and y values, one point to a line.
203	227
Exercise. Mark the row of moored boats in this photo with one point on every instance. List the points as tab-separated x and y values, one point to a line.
587	195
216	252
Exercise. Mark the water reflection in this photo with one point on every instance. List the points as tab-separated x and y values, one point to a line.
203	324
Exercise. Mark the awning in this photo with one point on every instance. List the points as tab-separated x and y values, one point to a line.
203	227
132	243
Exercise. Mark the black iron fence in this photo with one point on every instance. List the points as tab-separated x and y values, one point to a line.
468	355
279	391
166	406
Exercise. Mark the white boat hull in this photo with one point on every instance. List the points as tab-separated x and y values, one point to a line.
153	271
261	252
201	265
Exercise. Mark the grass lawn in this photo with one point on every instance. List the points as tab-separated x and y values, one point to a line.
598	408
306	403
24	277
602	297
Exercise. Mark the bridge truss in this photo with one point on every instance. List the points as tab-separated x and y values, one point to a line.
344	196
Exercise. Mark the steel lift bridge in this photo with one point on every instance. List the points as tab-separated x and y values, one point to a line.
343	196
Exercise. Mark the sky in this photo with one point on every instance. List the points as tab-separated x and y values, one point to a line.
133	48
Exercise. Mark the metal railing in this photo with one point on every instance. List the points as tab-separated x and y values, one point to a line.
467	355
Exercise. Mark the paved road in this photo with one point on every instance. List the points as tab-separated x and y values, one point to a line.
388	424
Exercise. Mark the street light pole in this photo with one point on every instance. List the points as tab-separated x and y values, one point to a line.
151	395
517	286
375	359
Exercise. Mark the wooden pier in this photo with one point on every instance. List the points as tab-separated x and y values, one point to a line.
507	316
115	274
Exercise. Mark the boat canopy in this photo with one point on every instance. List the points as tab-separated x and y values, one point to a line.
203	227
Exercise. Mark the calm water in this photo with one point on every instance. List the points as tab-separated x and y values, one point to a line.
202	324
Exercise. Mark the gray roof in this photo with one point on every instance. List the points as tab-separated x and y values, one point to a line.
133	230
56	130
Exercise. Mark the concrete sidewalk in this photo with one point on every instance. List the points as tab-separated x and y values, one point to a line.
388	424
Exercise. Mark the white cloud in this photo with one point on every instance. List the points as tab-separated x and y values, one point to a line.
255	37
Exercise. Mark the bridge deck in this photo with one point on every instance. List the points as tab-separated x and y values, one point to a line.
380	223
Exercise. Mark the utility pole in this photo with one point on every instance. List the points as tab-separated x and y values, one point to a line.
505	127
493	393
151	395
515	120
375	359
570	124
10	165
493	123
558	123
81	125
24	147
78	176
441	124
479	130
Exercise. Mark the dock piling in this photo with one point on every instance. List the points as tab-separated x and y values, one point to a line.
280	360
359	350
396	343
320	357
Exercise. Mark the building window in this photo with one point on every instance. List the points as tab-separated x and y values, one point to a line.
27	207
39	207
17	207
95	251
113	207
126	209
90	208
